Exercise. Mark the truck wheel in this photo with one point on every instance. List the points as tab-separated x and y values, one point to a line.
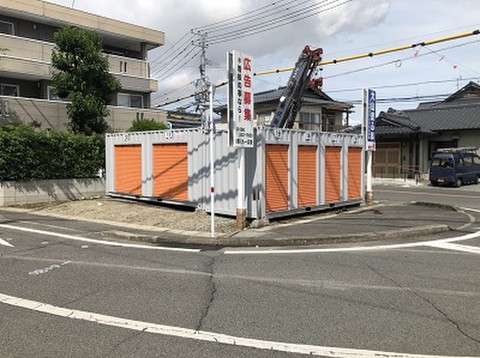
477	180
458	183
434	183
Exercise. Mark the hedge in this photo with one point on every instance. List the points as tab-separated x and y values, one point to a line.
30	154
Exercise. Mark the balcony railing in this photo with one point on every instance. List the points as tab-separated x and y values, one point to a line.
24	49
53	114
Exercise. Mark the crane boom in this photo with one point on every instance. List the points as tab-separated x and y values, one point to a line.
292	97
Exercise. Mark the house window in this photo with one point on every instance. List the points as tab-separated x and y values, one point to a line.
309	121
6	27
130	100
9	90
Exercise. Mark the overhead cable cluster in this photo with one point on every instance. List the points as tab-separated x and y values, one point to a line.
269	17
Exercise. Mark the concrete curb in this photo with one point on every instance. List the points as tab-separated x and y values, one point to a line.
253	241
254	237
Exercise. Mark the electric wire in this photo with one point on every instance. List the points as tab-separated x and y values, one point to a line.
235	19
171	63
276	23
181	63
382	52
180	42
165	96
410	84
397	60
282	19
255	17
428	98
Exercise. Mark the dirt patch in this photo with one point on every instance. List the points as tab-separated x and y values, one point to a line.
131	212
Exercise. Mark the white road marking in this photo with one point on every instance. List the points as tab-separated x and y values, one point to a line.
277	251
213	337
5	243
48	269
101	242
470	209
456	247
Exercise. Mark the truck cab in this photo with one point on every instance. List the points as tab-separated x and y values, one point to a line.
454	166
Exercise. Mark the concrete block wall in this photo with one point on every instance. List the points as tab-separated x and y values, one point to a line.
41	191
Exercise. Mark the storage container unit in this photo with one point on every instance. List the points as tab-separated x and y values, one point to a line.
307	175
170	171
354	166
276	177
128	169
287	171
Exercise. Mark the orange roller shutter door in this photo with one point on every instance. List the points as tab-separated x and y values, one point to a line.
276	177
170	171
333	174
128	169
307	175
354	173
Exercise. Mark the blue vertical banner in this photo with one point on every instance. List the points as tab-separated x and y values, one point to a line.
371	105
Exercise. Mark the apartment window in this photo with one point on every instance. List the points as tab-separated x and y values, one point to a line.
6	27
130	100
123	66
9	90
52	96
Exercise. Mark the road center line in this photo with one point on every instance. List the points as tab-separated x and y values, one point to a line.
93	241
200	335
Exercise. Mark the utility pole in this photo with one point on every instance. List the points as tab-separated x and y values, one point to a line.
204	101
202	84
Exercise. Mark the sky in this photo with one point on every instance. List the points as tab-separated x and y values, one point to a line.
340	27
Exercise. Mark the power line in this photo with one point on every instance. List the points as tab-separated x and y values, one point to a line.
279	16
239	18
256	16
397	62
179	64
280	21
170	49
429	98
404	85
381	52
171	63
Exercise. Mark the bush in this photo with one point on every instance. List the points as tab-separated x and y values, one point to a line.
29	154
141	125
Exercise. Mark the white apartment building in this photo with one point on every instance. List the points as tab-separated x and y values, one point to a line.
27	28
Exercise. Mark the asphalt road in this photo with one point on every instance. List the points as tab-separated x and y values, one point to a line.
62	296
465	196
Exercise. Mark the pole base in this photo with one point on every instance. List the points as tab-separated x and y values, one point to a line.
241	219
369	197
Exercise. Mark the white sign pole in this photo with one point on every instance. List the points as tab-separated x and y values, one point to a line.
369	98
241	205
212	163
240	119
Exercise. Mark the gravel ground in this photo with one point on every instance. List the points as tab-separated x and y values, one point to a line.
124	211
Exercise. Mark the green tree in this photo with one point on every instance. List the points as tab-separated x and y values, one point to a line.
140	125
82	76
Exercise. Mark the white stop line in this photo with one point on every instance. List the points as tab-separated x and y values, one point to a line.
202	335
